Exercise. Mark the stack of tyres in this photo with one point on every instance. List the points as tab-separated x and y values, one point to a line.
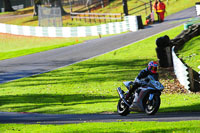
163	51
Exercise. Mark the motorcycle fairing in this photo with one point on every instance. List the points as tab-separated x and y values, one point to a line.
128	84
138	101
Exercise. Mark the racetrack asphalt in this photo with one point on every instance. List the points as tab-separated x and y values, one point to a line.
34	118
25	66
15	68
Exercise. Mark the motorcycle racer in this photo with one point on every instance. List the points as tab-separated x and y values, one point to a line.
150	70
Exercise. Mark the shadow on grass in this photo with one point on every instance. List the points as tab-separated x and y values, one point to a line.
87	72
25	103
186	108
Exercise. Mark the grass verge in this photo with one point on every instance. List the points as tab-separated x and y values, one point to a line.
190	53
14	46
147	127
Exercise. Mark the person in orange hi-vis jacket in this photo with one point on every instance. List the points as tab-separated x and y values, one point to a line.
161	10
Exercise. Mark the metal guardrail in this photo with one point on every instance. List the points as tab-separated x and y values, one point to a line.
181	70
144	5
130	23
96	16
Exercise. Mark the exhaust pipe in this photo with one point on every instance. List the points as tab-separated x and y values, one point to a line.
121	95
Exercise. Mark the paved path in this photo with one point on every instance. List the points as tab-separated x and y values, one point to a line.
33	118
25	66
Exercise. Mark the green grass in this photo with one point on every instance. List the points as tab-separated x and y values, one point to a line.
139	127
14	46
88	86
190	53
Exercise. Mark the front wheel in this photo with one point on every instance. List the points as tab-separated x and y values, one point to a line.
152	106
122	108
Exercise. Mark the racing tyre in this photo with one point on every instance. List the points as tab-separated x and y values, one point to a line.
122	108
152	106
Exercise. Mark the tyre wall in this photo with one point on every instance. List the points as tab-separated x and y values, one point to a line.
163	51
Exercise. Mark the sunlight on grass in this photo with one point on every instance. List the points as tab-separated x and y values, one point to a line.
14	46
149	127
190	53
82	86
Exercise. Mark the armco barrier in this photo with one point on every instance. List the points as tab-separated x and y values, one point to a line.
130	23
181	70
191	22
188	77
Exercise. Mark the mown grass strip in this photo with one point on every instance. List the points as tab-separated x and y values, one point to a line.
147	127
14	46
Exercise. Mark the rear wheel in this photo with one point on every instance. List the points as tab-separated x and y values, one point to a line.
122	108
152	106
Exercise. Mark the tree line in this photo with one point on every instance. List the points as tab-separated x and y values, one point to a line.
58	3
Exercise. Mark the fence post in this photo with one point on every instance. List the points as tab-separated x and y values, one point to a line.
199	72
194	80
102	4
125	7
191	79
150	2
145	8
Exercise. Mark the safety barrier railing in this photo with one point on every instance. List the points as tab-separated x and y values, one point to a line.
180	70
97	17
187	76
130	23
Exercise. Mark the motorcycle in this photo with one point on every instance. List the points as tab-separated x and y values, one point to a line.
145	98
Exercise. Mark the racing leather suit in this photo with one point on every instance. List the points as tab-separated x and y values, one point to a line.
143	74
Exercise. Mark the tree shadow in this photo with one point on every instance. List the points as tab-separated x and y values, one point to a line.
30	102
187	108
86	72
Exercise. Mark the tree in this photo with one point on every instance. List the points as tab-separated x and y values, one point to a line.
7	6
36	4
53	3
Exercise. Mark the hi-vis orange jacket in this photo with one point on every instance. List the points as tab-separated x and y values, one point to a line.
160	7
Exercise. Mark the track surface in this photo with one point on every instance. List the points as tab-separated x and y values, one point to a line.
25	66
38	63
32	118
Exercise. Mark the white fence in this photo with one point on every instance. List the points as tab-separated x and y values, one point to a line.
180	70
199	71
198	8
130	23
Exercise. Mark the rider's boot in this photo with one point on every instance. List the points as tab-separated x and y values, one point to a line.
127	95
133	105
